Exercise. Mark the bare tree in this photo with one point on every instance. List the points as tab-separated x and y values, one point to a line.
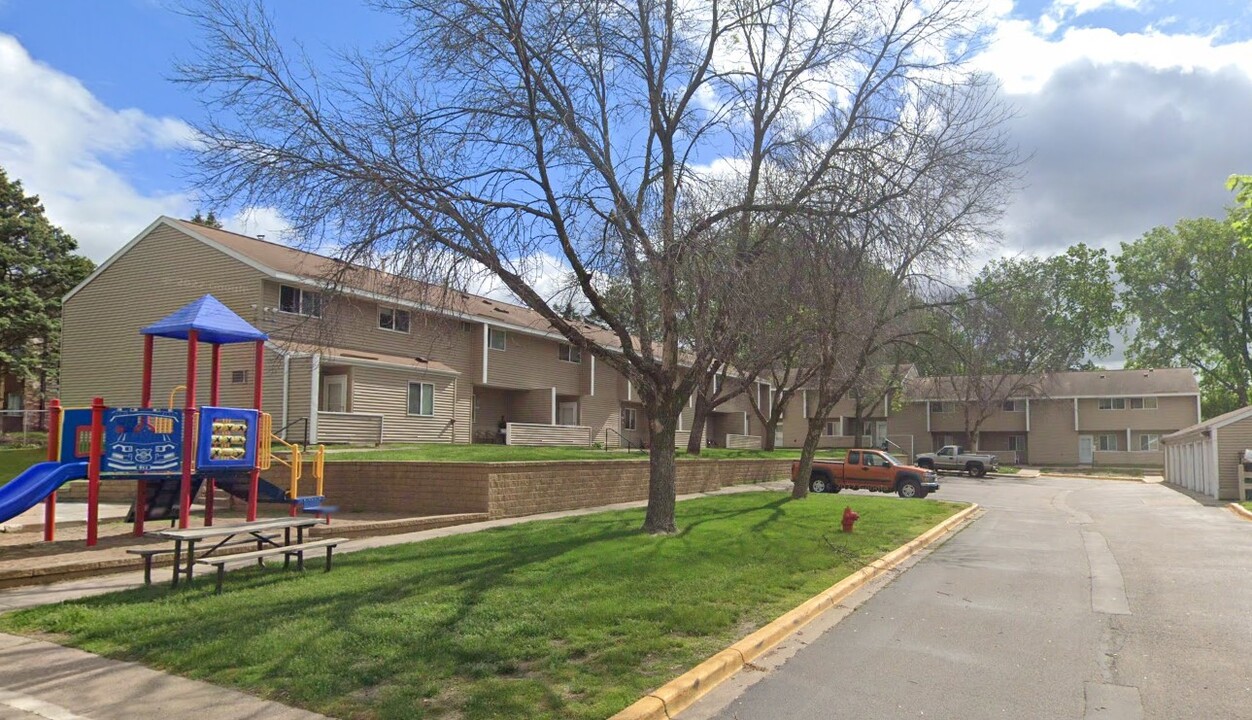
499	131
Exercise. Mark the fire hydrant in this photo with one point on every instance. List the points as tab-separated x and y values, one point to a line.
850	517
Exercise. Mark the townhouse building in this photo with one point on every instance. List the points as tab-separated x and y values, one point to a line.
1101	417
381	359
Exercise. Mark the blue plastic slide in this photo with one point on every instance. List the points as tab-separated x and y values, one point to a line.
34	484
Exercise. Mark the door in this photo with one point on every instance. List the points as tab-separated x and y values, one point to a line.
880	432
872	471
334	393
1086	448
567	413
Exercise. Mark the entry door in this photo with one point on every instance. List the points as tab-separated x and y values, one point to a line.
567	413
880	432
1086	447
335	393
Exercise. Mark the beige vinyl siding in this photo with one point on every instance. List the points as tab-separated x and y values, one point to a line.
101	349
604	409
1052	440
533	406
492	405
349	428
352	324
385	391
1122	458
743	442
1003	421
910	420
299	395
531	362
1172	413
531	434
1232	440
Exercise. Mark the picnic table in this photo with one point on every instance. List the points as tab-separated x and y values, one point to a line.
261	531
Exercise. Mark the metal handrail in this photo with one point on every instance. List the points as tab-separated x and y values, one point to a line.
282	431
622	438
174	392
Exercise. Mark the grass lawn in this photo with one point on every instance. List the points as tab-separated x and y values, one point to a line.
444	452
1099	471
571	618
13	462
1247	504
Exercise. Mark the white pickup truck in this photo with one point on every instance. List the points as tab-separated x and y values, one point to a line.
953	457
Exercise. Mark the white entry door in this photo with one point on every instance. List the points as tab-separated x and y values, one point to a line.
1086	447
567	413
335	393
880	432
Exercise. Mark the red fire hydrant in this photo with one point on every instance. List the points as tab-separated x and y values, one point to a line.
849	518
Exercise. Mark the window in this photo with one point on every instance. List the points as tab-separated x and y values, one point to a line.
1149	442
393	319
238	377
421	399
832	429
1112	403
1014	406
942	407
13	401
1017	443
496	339
854	458
569	353
297	301
1106	441
1143	403
629	419
717	384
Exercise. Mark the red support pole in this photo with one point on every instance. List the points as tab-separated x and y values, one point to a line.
93	470
209	489
141	487
257	385
189	431
215	377
54	454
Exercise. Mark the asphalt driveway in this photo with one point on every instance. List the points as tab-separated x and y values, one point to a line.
1068	598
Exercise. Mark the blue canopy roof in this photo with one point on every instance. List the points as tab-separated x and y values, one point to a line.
214	322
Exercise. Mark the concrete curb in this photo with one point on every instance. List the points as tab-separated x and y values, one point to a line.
1114	478
674	696
1240	510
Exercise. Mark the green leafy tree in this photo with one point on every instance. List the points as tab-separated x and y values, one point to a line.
1188	291
209	220
37	267
1022	318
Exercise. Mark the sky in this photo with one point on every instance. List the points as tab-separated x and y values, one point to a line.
1132	113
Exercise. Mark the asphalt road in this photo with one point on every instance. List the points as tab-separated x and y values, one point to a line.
1067	598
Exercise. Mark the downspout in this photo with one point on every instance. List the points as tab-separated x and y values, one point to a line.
286	390
315	371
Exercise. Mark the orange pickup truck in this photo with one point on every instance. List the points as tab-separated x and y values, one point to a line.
870	470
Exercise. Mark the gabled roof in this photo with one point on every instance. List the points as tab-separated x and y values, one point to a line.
1211	424
343	356
1087	384
212	321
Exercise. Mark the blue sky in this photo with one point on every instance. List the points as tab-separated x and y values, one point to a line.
1133	111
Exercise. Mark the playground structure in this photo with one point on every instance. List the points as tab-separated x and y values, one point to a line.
171	453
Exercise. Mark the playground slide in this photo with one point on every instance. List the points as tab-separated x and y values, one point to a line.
267	492
36	483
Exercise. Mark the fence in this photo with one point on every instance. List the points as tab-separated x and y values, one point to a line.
743	442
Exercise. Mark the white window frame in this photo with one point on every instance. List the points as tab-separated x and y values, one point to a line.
569	353
1145	403
396	314
828	430
492	334
1017	443
238	377
630	420
308	302
1111	403
1153	442
1100	444
426	392
1014	406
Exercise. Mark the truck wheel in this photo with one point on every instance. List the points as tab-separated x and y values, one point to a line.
910	489
976	469
822	484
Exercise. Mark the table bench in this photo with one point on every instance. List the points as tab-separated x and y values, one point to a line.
251	532
149	553
259	555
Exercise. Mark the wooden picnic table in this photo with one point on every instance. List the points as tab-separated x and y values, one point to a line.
261	530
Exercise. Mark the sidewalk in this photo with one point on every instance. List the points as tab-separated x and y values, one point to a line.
43	680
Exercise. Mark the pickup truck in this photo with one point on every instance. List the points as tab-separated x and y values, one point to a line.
870	470
954	457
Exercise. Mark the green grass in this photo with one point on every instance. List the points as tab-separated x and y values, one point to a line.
13	462
571	618
444	452
1247	504
1097	471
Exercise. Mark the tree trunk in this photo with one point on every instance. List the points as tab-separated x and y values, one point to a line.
812	435
699	424
662	483
771	434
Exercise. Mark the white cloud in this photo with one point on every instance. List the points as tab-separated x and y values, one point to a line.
1024	56
1074	8
60	140
258	221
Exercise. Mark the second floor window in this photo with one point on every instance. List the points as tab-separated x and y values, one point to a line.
628	419
942	407
1112	403
299	301
1014	406
496	339
393	319
570	353
238	377
1143	403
